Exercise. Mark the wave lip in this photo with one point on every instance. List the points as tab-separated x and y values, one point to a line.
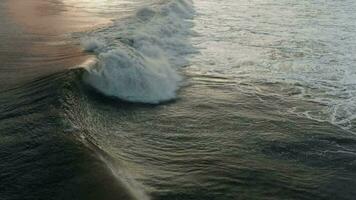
137	59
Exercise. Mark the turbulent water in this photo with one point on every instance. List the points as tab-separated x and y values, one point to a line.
181	99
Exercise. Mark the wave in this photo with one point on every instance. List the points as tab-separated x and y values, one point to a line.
137	58
73	104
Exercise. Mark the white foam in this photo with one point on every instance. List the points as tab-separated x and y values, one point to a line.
131	76
138	57
91	44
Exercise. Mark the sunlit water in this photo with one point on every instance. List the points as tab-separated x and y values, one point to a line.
246	100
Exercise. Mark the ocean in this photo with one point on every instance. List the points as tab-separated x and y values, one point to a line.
177	99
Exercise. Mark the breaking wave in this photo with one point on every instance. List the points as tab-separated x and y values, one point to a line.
138	57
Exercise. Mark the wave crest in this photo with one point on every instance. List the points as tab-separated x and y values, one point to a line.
133	77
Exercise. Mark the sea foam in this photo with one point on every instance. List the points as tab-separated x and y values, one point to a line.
137	58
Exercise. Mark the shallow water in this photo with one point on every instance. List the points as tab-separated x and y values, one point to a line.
210	100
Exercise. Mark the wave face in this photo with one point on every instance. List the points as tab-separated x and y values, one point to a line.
137	57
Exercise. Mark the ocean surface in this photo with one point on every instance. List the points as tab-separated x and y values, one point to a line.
178	100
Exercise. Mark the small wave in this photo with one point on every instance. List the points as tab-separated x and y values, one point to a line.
137	58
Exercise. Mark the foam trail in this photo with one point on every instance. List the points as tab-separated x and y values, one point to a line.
137	58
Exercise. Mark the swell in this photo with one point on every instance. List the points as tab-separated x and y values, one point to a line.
45	119
79	104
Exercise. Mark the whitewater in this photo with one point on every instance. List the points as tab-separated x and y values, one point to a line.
137	60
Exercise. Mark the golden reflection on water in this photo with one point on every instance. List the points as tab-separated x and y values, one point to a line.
43	31
52	17
41	44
